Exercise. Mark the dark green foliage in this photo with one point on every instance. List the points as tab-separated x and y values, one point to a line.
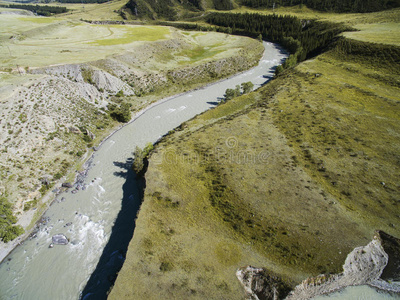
40	9
247	87
229	94
303	39
223	4
8	231
83	1
139	8
329	5
120	113
232	93
140	156
293	34
291	44
86	138
30	204
196	3
152	9
278	70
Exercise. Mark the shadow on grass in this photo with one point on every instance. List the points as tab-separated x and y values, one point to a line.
113	256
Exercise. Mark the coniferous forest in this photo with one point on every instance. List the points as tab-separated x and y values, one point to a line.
83	1
329	5
41	10
303	39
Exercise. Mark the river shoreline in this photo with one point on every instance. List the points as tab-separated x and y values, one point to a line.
88	217
29	217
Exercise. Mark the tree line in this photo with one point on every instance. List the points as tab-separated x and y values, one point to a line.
42	10
339	6
83	1
302	38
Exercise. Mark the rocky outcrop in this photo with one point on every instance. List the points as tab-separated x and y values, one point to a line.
391	245
82	73
368	265
260	284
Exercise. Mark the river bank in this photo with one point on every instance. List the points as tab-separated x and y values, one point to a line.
46	108
87	216
27	218
54	107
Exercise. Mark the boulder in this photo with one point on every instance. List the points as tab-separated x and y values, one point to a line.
67	185
74	129
59	239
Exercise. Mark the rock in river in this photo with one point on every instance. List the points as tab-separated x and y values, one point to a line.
67	185
59	239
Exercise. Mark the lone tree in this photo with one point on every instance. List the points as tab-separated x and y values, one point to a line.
120	113
140	159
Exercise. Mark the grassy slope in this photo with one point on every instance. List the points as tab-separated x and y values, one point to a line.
291	178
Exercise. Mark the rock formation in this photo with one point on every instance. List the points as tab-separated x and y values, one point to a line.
369	265
261	284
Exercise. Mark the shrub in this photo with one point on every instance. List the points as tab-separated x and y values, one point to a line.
120	113
8	231
247	87
140	156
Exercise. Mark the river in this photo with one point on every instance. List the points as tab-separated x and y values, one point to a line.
87	217
363	292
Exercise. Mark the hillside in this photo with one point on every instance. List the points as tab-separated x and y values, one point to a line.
192	9
291	177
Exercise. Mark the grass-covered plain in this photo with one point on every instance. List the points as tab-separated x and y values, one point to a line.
38	41
31	42
384	33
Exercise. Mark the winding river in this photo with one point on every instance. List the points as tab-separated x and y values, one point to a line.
87	217
92	217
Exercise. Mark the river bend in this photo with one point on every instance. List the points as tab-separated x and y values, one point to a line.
35	271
